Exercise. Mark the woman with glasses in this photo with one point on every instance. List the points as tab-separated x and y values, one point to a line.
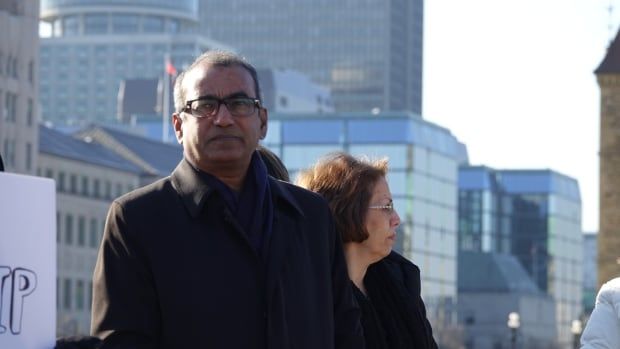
386	285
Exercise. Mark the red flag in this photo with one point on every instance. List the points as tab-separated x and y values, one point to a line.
170	69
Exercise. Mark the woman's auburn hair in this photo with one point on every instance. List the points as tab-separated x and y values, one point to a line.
347	183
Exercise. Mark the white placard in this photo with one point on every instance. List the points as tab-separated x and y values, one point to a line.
27	262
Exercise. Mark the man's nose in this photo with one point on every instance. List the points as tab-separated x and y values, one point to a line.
223	117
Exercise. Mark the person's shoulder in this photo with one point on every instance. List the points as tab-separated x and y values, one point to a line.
403	270
146	194
395	259
610	291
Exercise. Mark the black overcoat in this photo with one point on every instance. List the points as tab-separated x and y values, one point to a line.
175	270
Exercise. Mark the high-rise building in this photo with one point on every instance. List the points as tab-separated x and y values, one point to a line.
534	215
92	46
423	162
19	108
369	53
608	76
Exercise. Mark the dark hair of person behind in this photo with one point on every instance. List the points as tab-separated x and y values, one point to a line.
275	166
1	164
347	184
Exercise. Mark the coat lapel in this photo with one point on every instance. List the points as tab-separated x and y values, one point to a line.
285	224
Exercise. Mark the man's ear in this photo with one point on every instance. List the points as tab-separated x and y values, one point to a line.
177	122
264	117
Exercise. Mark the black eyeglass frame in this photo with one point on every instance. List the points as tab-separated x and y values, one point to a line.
220	101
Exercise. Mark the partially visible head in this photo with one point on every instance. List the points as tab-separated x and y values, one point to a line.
275	166
221	141
358	196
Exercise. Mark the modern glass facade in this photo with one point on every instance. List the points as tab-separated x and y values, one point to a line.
534	215
422	177
369	53
94	45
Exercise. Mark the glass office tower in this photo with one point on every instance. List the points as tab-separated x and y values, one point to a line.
369	53
92	45
423	161
534	215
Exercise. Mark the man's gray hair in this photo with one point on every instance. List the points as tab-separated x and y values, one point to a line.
216	58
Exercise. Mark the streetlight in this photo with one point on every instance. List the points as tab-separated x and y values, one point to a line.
514	323
576	329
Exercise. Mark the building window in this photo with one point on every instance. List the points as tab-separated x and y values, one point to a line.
29	112
84	186
31	72
79	293
14	69
60	184
66	299
73	183
125	24
69	229
28	156
70	26
8	62
96	188
96	24
94	233
81	231
119	189
10	106
153	24
108	190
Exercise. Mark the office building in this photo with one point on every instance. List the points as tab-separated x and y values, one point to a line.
493	285
368	53
608	77
534	215
91	46
19	78
422	178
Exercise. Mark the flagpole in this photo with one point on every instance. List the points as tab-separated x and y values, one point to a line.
165	118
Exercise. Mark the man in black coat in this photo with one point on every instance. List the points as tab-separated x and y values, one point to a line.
219	254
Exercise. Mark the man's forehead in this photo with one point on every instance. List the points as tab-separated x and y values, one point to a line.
201	76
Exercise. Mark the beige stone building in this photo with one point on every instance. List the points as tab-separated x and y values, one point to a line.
87	177
608	76
19	52
91	168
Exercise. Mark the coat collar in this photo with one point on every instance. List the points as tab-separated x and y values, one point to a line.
194	191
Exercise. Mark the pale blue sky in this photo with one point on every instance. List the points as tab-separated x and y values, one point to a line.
513	79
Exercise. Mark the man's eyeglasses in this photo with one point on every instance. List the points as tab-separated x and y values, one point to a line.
389	208
208	107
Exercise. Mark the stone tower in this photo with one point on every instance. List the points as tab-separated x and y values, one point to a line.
608	77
